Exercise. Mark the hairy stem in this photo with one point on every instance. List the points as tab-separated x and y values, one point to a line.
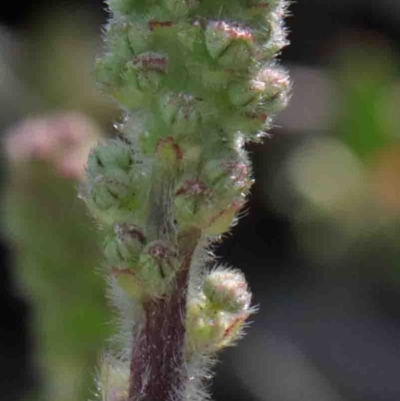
157	372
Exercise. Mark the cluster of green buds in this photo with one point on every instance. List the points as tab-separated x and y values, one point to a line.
196	79
216	315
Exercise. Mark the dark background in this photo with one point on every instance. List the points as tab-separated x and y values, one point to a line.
327	328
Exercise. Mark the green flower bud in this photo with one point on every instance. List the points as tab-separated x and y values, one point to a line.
125	246
208	330
180	8
203	330
247	123
277	89
189	35
139	34
204	334
141	77
227	177
233	325
113	252
179	112
158	264
128	281
150	68
130	237
231	45
237	56
108	72
268	92
117	39
190	197
227	290
214	78
108	190
221	221
111	154
169	106
169	154
244	93
207	208
101	197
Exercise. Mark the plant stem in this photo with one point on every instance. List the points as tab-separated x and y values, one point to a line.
158	355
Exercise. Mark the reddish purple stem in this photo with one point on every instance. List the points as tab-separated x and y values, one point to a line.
157	364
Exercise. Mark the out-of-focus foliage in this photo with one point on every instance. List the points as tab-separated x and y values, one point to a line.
341	186
56	250
49	70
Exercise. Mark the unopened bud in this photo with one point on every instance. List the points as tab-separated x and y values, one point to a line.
169	153
145	71
244	93
208	330
125	246
131	237
203	330
179	112
101	197
222	221
189	35
139	36
277	89
128	281
228	177
206	207
268	92
108	190
158	264
205	334
180	8
233	326
231	45
191	188
190	198
113	253
227	290
214	77
108	72
112	154
274	81
116	37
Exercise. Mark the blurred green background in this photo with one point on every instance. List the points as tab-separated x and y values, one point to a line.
320	241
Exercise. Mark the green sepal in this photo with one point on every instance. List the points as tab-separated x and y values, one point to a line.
157	266
128	281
